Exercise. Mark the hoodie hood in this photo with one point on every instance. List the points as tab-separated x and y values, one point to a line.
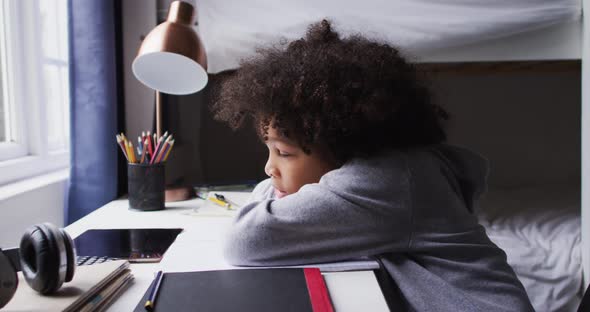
467	171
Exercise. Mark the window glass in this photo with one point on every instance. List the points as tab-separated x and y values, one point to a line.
55	72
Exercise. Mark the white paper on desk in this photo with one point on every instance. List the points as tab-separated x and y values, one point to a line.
204	256
344	266
359	264
207	208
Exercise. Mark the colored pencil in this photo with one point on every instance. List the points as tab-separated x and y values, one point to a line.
169	149
127	150
140	143
132	152
145	151
155	154
163	150
159	147
120	143
168	140
149	150
148	137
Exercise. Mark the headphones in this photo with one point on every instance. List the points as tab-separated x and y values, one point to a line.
47	258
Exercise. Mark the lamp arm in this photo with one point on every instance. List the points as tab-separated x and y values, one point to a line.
158	114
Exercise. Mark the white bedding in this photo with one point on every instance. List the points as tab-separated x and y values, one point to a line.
232	29
539	229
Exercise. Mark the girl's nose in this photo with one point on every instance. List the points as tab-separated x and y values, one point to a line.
271	170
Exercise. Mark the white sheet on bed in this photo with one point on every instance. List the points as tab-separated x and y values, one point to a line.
539	229
231	29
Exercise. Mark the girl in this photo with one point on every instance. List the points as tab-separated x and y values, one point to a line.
357	167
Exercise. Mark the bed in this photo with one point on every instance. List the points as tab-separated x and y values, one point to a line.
429	30
539	225
539	229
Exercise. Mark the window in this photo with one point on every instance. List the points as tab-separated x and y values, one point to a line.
34	88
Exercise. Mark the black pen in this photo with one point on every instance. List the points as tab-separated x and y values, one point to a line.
151	302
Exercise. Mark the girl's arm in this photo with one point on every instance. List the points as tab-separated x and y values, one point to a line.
346	215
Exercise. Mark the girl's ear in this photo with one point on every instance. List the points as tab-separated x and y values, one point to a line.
327	156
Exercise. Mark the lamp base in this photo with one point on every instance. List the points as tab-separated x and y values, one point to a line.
173	194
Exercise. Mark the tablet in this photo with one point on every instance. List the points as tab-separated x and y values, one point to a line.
135	245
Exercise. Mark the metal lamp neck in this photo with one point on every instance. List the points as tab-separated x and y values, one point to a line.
181	12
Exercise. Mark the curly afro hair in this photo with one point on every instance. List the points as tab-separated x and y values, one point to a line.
354	96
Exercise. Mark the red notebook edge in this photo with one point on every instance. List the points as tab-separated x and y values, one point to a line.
318	292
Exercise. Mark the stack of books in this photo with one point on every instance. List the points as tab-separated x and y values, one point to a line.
93	288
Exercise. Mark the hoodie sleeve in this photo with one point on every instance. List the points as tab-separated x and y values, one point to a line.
361	209
262	191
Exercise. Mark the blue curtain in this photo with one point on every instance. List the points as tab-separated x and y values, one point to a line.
93	106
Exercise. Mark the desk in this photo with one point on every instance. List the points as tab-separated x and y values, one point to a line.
199	248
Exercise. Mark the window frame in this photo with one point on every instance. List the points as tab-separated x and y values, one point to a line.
29	156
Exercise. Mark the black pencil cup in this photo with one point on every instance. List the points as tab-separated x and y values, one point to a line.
146	186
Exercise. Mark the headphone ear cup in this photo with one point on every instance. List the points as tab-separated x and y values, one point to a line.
42	250
70	255
8	280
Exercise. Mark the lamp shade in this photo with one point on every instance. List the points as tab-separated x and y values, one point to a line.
172	58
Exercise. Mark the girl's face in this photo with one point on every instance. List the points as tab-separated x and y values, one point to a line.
289	167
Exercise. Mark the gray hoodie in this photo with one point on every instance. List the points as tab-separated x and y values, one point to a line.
411	208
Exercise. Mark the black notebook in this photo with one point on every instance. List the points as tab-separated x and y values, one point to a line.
260	290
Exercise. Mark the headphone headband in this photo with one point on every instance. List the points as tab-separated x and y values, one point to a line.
13	256
8	280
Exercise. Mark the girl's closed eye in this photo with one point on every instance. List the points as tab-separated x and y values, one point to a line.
282	153
284	150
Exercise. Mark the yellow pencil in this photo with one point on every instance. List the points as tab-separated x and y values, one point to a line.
127	149
126	144
220	202
169	149
129	153
133	158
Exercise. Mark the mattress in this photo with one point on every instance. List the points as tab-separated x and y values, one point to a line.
539	229
231	30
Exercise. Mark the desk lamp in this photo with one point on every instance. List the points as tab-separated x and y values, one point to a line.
172	60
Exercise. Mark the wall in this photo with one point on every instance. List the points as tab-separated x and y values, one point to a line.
213	153
526	123
38	200
139	19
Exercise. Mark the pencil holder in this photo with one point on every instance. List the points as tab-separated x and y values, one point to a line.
146	185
